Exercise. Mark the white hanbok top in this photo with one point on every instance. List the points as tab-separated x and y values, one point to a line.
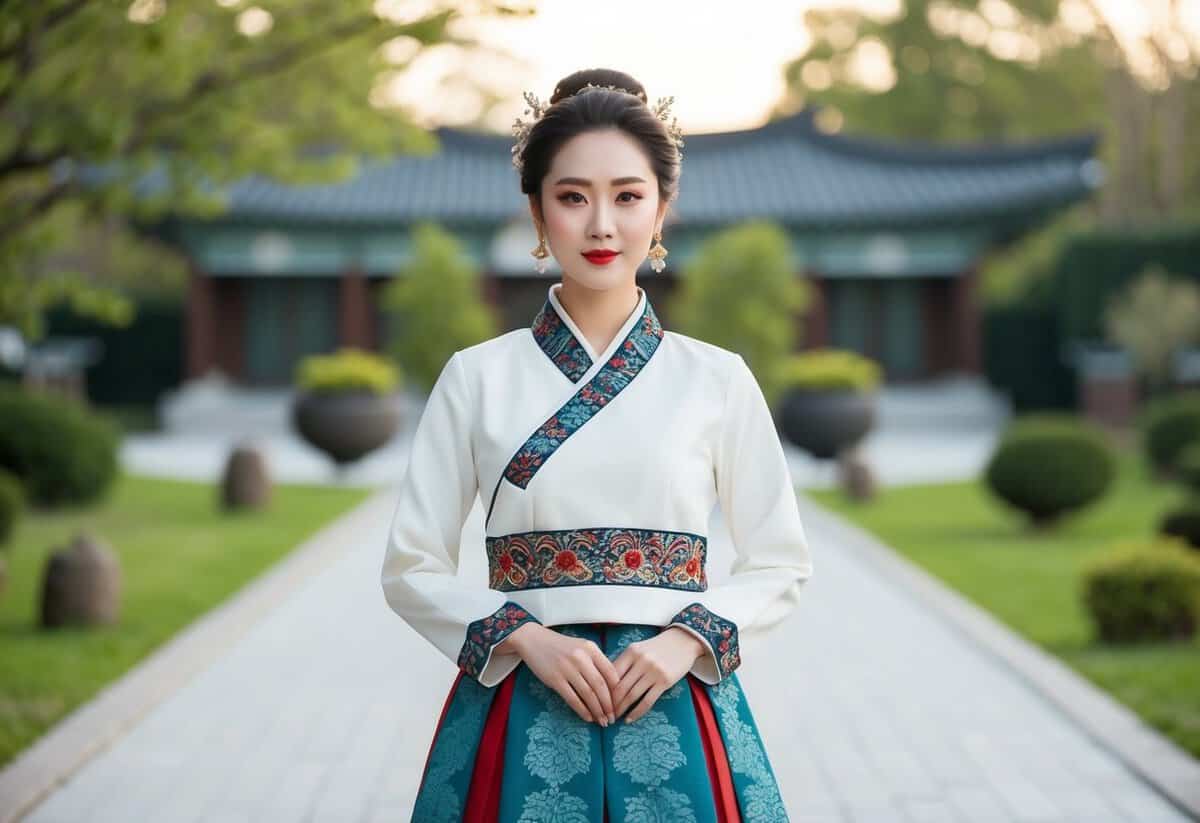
599	472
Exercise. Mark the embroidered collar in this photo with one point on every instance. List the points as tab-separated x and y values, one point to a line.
562	341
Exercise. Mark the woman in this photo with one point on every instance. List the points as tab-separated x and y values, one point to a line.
599	442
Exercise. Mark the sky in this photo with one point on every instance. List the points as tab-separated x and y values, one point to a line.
725	71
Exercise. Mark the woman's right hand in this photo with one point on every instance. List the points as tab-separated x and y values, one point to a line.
574	667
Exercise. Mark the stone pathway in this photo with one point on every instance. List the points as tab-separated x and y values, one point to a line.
873	707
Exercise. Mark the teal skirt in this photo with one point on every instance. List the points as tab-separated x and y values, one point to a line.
517	753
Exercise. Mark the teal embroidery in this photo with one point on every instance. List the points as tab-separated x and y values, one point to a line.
558	747
489	631
556	339
648	750
573	557
719	633
554	806
629	358
659	804
754	781
447	777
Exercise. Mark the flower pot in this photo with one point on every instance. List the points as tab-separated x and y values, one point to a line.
823	422
346	425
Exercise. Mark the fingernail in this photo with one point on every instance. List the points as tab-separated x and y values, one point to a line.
612	719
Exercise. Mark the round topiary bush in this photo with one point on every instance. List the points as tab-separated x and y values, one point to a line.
1049	464
828	370
1143	592
1187	466
347	370
1183	522
61	452
1169	425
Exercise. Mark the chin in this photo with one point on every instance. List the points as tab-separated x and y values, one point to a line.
600	278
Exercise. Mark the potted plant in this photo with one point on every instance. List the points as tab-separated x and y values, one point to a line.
347	403
827	399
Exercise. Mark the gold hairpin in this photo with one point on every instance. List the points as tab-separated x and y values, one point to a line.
521	128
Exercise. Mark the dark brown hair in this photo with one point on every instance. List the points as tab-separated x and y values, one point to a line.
570	113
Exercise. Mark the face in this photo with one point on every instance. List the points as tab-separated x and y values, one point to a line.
600	193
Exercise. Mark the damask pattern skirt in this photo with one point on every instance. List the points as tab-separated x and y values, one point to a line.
517	753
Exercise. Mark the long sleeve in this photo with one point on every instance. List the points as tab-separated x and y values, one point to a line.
420	583
756	495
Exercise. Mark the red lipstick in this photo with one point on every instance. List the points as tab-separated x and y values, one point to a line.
600	256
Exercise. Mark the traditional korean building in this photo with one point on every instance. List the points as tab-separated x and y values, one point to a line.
891	236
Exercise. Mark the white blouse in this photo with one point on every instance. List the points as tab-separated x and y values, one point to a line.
599	471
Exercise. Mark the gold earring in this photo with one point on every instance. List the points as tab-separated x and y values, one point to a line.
540	254
658	253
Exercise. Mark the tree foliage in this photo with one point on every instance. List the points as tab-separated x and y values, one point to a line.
127	110
956	70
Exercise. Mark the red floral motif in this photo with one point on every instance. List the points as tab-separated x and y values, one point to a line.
489	631
720	634
625	556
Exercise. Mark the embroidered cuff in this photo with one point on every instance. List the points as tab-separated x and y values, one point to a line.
720	634
487	632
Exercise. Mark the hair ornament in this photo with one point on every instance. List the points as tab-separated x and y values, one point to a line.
521	128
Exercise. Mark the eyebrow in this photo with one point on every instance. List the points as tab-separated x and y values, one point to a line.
579	181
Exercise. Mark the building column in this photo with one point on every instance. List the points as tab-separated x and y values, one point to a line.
355	323
968	320
200	350
816	319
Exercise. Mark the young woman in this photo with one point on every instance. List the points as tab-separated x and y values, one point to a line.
599	443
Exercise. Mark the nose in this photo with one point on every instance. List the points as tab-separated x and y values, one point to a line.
601	223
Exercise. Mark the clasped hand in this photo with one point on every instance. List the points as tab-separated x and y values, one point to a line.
600	689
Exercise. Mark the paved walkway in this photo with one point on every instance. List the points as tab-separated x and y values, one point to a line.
873	708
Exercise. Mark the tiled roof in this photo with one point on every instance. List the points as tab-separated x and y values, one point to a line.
787	170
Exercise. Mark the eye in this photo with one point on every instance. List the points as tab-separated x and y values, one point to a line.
635	195
564	197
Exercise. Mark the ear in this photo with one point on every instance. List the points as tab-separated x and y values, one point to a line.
662	213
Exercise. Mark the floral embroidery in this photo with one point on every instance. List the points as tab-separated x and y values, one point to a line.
571	557
659	803
648	751
760	800
624	364
486	632
720	633
442	792
560	344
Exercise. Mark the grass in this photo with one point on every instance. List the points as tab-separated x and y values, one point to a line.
179	557
1033	583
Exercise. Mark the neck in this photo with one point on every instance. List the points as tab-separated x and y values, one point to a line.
599	313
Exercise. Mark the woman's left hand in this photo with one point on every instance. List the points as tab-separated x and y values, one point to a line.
648	668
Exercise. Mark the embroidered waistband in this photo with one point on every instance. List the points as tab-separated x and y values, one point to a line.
575	557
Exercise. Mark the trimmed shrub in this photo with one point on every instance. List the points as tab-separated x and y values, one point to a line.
62	452
1168	425
349	369
1143	592
1049	464
828	369
12	501
1187	466
1183	522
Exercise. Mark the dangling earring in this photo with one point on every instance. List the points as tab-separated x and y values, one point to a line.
540	253
658	253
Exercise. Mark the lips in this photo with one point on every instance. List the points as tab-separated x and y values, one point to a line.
600	256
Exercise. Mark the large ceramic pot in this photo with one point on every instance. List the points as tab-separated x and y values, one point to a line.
346	425
823	422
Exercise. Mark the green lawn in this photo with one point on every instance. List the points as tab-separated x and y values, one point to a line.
179	558
1031	581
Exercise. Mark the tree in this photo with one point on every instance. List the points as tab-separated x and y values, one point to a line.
1009	69
434	305
123	111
